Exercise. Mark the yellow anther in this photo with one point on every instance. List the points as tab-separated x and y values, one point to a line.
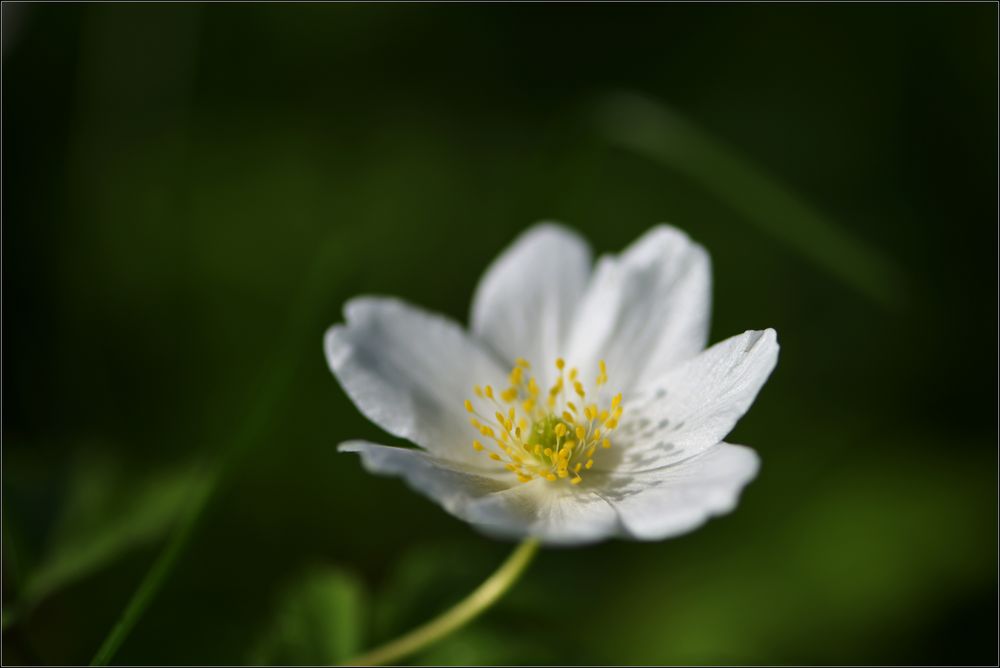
569	431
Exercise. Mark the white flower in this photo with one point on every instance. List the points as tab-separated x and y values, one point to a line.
581	405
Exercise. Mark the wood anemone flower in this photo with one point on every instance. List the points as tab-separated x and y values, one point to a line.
582	402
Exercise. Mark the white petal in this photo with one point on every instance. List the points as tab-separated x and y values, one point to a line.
679	498
410	371
554	512
694	406
449	483
646	310
524	304
557	514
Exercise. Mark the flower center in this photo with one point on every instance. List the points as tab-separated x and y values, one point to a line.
550	437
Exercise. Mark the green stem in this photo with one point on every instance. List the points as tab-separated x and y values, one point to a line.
488	593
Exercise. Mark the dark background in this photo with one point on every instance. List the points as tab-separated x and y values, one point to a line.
191	192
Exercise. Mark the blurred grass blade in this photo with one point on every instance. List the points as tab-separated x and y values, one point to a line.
660	133
299	341
107	513
319	621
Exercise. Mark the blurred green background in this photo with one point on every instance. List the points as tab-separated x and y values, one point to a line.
191	192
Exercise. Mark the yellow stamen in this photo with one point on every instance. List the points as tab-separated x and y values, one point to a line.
564	436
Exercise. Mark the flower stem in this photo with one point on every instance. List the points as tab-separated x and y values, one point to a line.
485	595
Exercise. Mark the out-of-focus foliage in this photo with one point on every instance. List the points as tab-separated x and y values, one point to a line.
664	135
318	621
191	192
107	511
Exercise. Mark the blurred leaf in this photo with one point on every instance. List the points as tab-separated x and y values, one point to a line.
107	512
662	134
485	645
426	580
862	552
318	622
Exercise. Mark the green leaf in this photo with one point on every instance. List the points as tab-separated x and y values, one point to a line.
107	512
426	580
662	134
487	645
319	620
